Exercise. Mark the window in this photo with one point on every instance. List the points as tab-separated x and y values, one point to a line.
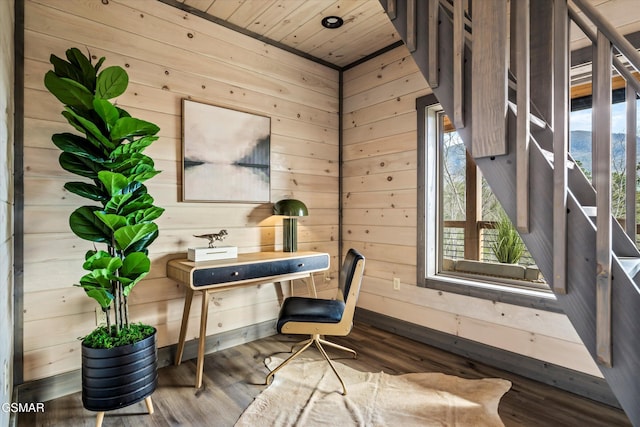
458	212
581	117
459	218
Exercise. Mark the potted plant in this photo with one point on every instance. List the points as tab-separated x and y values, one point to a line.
508	246
119	359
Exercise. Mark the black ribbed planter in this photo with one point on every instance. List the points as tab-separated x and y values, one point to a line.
117	377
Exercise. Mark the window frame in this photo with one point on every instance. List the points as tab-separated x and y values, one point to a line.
429	237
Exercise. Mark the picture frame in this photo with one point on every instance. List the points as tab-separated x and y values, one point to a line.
225	154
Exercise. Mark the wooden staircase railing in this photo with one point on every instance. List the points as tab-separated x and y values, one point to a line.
532	65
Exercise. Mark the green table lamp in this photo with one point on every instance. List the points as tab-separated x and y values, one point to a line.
291	209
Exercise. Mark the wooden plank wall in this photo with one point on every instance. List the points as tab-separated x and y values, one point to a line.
6	204
379	218
169	55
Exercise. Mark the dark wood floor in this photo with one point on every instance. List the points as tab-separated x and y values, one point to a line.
233	377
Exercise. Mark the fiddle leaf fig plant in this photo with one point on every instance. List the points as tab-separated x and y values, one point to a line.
108	154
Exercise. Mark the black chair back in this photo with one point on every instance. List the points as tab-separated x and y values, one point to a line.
348	270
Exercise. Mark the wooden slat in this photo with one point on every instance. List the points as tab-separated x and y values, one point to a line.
541	42
249	12
631	160
360	20
274	15
412	29
602	173
523	56
458	63
382	128
473	199
391	9
432	71
379	217
489	79
411	82
223	9
361	39
560	144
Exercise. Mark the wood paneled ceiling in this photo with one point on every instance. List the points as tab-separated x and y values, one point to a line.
367	29
296	24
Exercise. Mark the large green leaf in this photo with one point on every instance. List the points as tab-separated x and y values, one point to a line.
96	290
107	112
86	190
68	91
129	286
101	260
117	203
127	236
136	166
142	244
77	145
73	122
90	128
126	200
82	63
143	168
98	64
135	266
86	225
128	127
79	165
64	69
143	176
146	215
134	187
102	296
113	182
142	202
123	112
112	221
128	162
112	82
136	146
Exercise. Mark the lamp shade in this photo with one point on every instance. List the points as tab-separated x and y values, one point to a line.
290	207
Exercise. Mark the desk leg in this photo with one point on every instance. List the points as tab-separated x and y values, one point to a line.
203	337
183	327
311	286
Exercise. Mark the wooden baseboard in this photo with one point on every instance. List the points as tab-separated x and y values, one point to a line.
70	382
558	376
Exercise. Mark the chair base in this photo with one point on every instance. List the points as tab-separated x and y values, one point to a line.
315	339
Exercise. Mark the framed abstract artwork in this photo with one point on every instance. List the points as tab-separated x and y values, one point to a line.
225	154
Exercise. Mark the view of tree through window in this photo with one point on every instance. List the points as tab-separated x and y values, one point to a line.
468	237
454	211
581	125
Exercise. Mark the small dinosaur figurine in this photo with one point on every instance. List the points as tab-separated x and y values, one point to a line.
213	237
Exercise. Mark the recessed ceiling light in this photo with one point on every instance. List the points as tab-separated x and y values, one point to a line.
332	22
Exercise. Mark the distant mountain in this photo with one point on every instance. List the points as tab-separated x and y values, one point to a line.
580	147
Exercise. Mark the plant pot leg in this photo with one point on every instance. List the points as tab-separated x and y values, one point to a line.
149	403
99	418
